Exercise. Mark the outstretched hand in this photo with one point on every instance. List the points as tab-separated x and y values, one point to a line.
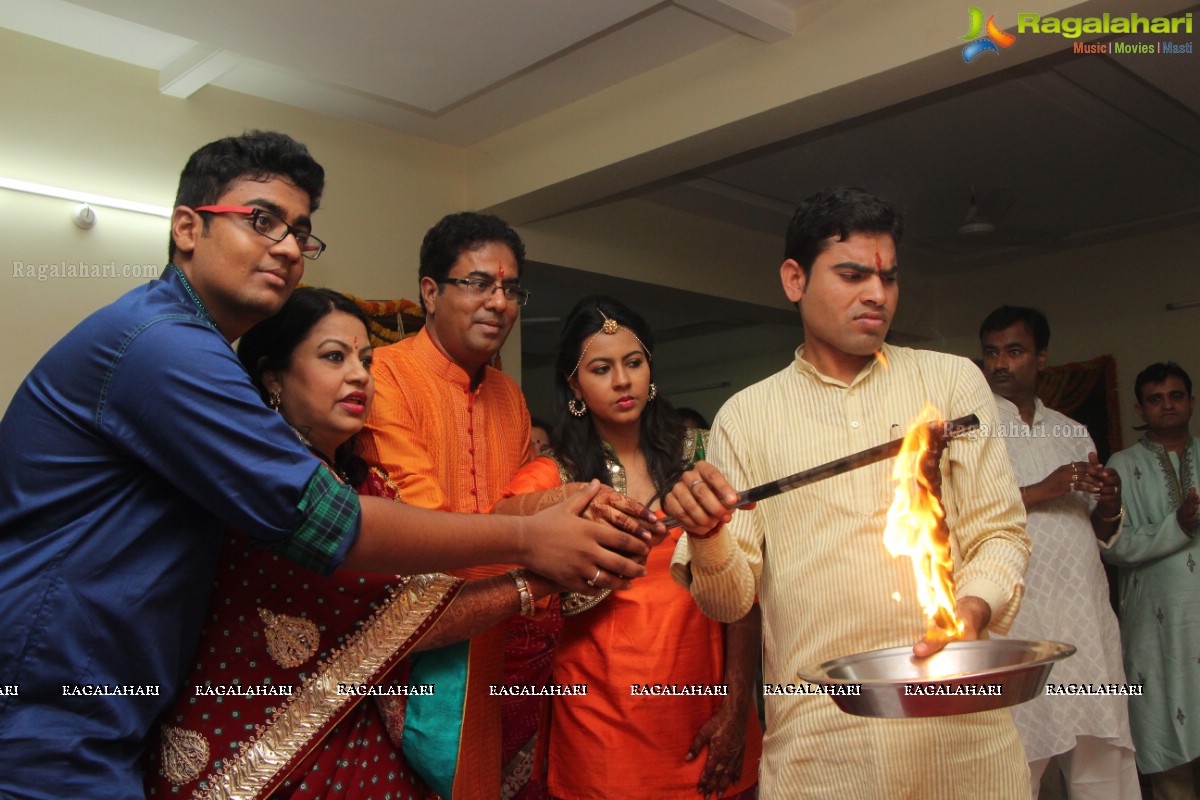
579	554
931	463
624	513
701	500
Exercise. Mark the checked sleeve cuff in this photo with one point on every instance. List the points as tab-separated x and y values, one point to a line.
330	521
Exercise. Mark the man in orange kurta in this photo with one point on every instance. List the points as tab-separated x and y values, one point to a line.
446	441
451	431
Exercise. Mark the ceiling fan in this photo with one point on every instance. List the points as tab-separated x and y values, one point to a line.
982	218
984	230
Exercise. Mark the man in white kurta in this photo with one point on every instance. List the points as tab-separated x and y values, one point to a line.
1066	600
1159	556
815	556
1066	590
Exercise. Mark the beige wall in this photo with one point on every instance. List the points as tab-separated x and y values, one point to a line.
87	123
91	124
648	242
84	122
847	58
1105	299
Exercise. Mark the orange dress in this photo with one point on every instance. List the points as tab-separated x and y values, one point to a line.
611	742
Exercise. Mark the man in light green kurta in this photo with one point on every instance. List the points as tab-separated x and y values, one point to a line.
815	556
1159	557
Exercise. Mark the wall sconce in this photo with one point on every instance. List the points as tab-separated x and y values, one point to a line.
84	217
85	198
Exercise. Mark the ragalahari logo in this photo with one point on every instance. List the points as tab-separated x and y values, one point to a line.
988	43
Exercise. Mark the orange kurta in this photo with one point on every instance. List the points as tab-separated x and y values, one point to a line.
450	446
445	444
609	742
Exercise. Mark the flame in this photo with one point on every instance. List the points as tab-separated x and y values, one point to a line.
916	528
881	358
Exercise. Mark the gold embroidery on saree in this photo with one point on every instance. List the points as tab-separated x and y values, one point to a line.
184	754
262	761
572	603
387	481
517	772
290	640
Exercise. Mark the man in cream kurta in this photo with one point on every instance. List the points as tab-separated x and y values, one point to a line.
815	556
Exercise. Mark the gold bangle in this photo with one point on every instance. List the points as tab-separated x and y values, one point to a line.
523	592
1115	517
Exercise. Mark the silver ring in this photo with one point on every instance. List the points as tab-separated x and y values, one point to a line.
692	485
595	578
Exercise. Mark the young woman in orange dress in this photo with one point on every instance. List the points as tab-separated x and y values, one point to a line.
669	710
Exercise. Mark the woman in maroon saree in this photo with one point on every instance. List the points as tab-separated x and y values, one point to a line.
299	686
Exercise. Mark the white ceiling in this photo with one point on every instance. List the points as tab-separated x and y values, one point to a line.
1104	146
1063	152
1059	152
455	72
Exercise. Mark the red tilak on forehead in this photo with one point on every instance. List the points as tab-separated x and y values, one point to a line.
502	273
878	260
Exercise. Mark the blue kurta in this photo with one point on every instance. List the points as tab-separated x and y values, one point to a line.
1160	603
122	454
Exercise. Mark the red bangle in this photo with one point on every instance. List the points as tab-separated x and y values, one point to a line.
709	535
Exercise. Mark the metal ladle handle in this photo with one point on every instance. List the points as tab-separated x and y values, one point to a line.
952	429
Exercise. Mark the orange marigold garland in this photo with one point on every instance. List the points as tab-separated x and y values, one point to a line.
390	320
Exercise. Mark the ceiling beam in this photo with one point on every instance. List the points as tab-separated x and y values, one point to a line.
765	20
737	95
194	70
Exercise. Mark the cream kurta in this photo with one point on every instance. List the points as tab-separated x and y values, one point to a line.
815	558
1066	591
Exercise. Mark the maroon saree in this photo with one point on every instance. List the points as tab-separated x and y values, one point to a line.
274	703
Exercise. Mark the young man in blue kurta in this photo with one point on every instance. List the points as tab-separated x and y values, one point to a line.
138	437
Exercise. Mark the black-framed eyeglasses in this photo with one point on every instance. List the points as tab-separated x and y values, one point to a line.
481	289
274	228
